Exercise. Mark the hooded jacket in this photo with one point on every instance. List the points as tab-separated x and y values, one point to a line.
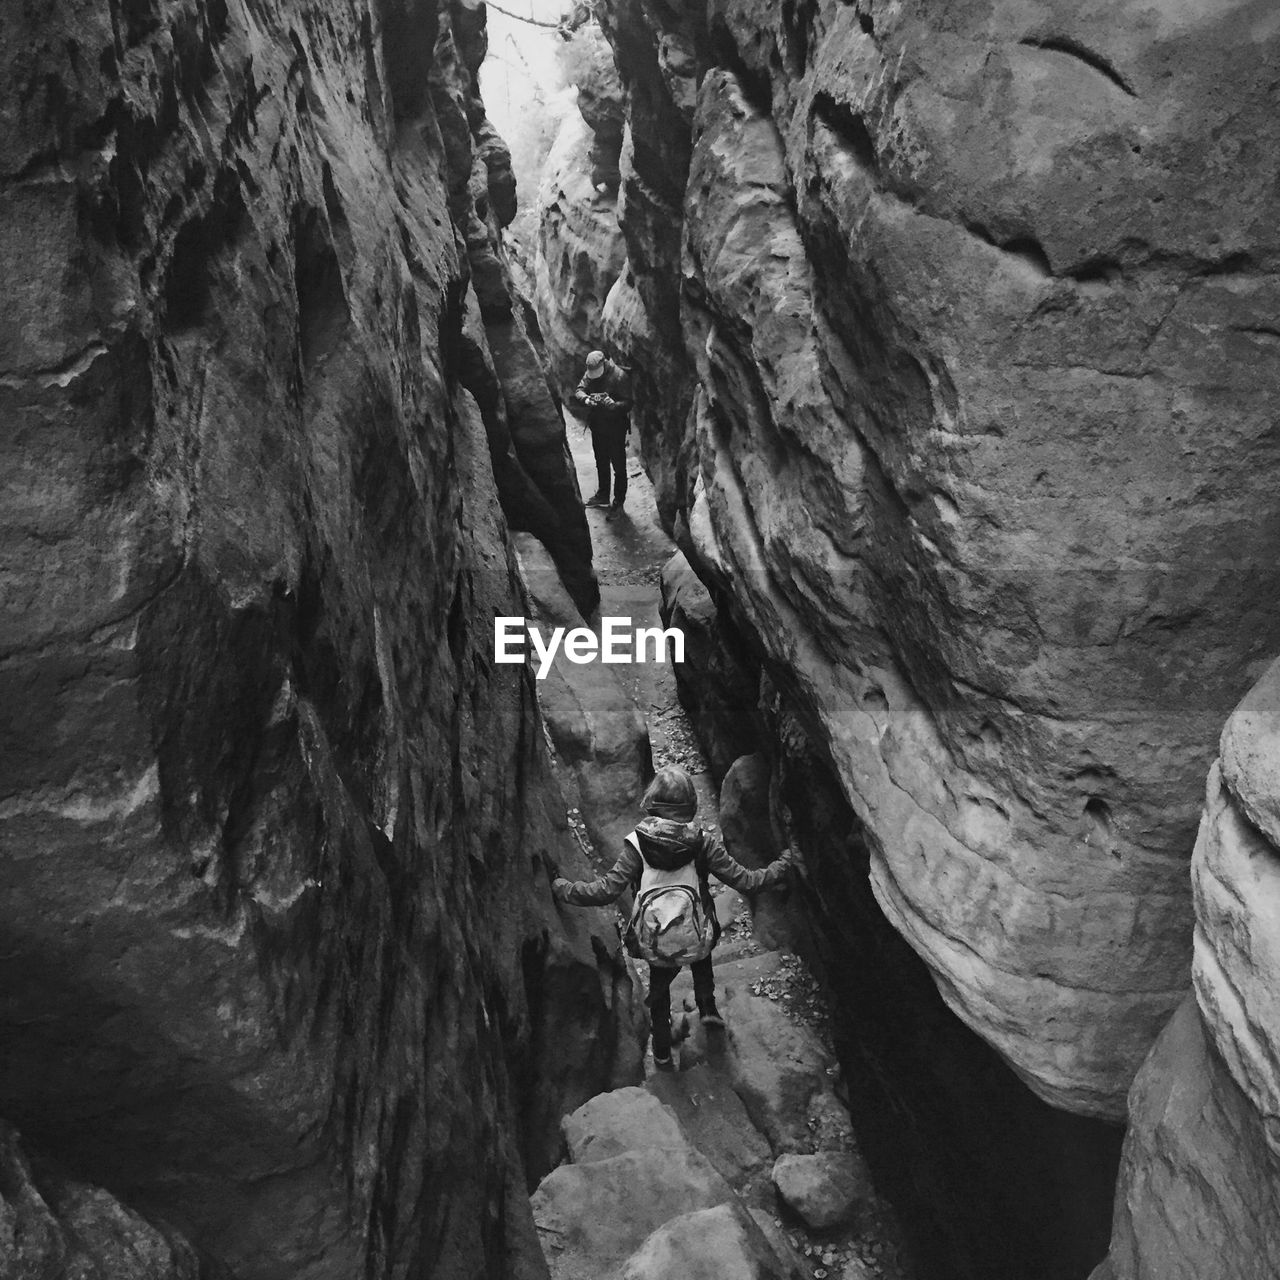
668	845
604	401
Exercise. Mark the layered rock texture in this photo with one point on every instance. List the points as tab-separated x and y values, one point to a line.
579	249
956	363
52	1226
1199	1189
955	354
280	966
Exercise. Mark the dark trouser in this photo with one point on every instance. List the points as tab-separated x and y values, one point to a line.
609	440
660	980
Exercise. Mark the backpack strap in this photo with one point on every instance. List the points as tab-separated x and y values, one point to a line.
702	861
634	841
702	865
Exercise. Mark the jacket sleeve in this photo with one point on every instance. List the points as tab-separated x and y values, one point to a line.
620	391
734	874
603	889
578	401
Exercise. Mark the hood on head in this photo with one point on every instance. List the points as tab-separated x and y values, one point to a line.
667	845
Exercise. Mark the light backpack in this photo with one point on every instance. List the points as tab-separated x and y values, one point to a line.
673	921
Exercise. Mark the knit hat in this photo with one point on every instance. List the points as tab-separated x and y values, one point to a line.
671	795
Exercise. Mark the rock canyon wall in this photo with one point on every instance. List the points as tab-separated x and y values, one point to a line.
955	352
1199	1190
579	252
280	972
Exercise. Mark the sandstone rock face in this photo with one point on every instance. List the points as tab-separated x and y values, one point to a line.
1237	882
51	1225
579	245
718	683
970	416
744	811
596	728
748	833
281	966
1197	1194
579	257
987	1178
593	73
1199	1190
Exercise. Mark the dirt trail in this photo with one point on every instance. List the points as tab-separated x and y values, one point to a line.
630	550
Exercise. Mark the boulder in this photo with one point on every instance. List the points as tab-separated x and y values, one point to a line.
714	1118
744	812
622	1120
722	1243
827	1189
856	1269
592	1217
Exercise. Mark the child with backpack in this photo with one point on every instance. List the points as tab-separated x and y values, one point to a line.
666	861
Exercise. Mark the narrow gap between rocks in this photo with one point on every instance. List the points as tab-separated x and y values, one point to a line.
745	1152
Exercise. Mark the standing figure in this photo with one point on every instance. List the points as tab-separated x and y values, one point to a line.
603	400
666	861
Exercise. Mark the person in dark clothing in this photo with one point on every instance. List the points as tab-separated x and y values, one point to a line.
603	400
670	803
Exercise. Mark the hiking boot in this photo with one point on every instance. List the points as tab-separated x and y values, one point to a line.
597	500
615	510
709	1015
663	1064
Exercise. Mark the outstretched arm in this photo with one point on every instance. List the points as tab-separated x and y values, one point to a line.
733	873
605	888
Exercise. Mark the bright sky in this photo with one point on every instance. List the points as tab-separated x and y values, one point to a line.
520	70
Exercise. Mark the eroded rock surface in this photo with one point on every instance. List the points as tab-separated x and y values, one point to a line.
1237	882
744	1100
953	362
281	966
1199	1189
592	1217
827	1189
580	253
1197	1194
53	1226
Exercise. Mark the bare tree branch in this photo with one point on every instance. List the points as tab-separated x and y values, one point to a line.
560	26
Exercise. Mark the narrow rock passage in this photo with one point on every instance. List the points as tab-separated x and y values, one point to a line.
629	552
742	1161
